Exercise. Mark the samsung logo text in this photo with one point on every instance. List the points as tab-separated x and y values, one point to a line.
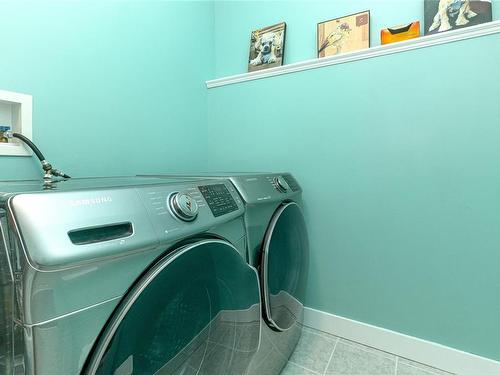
91	201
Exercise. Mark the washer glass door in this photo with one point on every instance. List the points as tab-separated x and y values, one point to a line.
284	267
196	311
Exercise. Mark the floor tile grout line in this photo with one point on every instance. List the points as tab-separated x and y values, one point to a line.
267	355
331	356
368	349
352	343
234	345
276	348
432	370
230	348
305	368
321	333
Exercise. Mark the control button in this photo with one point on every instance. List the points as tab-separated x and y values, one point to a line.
281	184
183	206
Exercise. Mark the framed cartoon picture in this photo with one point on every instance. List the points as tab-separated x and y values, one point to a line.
267	47
344	34
445	15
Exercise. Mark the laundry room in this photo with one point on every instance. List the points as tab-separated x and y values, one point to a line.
249	187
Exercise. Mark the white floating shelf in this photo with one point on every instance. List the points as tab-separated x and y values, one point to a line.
425	41
16	113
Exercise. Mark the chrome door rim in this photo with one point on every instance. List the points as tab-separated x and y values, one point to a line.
265	264
141	286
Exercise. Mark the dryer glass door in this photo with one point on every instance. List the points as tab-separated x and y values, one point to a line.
197	310
284	266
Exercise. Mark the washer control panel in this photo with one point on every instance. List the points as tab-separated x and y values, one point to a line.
218	198
181	209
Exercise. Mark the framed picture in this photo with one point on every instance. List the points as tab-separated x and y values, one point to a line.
444	15
345	34
267	47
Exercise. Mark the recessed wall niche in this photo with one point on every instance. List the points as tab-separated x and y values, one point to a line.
16	115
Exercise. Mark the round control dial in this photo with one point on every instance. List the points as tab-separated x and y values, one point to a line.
281	184
183	206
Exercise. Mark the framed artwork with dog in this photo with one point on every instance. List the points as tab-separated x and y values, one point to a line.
445	15
267	47
344	34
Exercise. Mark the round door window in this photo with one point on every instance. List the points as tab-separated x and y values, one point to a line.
284	267
196	311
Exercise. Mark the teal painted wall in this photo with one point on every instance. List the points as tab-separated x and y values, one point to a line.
399	160
118	87
401	194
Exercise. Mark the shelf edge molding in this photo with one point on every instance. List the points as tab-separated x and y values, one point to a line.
421	42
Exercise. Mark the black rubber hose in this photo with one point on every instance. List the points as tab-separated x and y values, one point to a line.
45	165
31	145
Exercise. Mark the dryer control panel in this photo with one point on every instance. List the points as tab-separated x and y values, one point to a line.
218	198
263	187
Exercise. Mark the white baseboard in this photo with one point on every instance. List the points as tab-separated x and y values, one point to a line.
426	352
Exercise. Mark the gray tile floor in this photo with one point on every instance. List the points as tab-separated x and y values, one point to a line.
319	353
